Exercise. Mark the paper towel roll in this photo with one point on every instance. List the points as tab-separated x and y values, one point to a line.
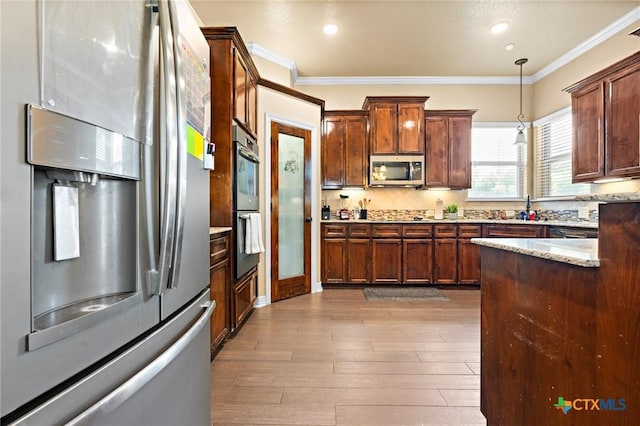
439	209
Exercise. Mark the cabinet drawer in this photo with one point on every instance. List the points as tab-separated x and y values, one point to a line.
359	230
218	249
513	231
417	231
445	231
469	231
386	231
334	230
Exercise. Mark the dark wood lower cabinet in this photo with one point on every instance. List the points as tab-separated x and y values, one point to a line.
358	261
417	261
445	260
468	262
386	261
468	254
245	292
333	260
410	253
219	284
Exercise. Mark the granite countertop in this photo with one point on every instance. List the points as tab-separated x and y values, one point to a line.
584	224
610	198
218	229
580	252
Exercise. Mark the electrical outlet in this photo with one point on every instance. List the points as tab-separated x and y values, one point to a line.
583	212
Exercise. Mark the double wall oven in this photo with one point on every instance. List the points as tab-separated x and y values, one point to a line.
246	187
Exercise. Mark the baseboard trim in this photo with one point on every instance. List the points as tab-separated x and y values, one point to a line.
261	302
316	287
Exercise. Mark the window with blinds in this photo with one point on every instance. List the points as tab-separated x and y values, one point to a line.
498	167
552	147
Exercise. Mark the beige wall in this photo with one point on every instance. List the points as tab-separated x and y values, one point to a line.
548	96
493	102
276	106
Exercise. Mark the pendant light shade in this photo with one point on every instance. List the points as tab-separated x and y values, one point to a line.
521	138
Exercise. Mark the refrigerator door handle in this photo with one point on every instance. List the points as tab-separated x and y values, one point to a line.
148	172
168	137
142	377
181	140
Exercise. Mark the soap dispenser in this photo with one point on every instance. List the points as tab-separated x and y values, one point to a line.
439	209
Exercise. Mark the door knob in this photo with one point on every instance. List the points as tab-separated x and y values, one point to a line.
307	219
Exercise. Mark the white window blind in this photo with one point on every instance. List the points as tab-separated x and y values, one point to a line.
552	145
498	167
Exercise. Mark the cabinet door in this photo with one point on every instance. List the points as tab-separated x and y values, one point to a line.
417	261
459	152
355	158
333	144
219	286
240	89
358	260
468	262
445	261
410	128
588	133
333	260
622	116
384	128
437	151
386	261
244	295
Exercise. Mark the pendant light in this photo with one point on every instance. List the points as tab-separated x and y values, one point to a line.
521	138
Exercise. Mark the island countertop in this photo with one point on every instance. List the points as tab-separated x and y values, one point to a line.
580	252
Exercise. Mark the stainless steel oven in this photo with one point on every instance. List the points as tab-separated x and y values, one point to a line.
246	196
244	261
246	171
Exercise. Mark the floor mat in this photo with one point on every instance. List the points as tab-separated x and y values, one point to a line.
403	293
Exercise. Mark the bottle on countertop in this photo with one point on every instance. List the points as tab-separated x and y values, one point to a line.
439	213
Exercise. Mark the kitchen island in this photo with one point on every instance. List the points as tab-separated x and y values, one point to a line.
560	339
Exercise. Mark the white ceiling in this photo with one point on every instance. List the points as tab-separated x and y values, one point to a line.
420	38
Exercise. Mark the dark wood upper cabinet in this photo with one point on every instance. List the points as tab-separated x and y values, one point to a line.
606	129
344	149
231	71
448	148
245	94
622	115
397	124
587	109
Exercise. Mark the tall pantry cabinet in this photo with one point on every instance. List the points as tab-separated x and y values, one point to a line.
234	79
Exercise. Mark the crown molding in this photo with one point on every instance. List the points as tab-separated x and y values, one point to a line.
608	32
418	81
256	49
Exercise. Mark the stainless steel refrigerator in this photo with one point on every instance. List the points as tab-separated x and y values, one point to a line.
104	214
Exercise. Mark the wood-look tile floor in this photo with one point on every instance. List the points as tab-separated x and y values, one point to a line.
334	358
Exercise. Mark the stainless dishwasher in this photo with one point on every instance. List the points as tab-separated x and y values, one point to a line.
571	232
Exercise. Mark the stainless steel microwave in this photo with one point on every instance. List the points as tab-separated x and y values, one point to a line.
396	170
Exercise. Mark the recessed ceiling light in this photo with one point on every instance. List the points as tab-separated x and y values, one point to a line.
499	27
330	29
509	47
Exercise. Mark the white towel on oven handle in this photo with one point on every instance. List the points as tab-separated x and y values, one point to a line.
253	234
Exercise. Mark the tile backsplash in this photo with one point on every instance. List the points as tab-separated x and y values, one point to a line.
406	203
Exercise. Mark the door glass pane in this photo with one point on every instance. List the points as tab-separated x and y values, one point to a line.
291	206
